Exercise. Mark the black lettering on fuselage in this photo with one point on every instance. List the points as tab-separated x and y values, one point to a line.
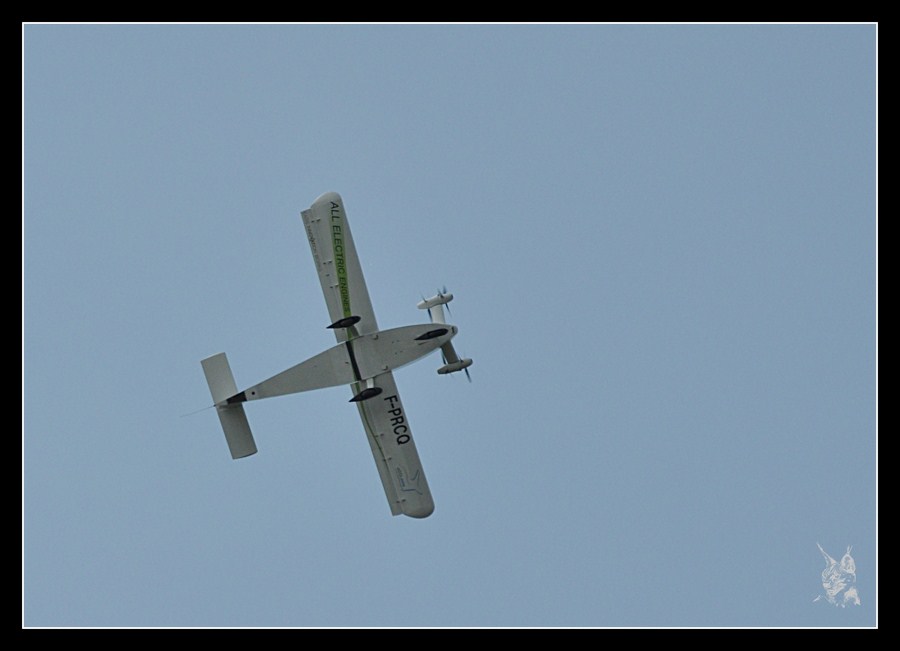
401	431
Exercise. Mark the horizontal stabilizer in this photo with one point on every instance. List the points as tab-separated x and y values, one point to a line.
237	431
232	416
219	377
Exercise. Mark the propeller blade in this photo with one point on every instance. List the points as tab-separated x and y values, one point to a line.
443	292
468	377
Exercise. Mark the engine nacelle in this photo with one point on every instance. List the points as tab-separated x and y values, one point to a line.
435	306
453	367
439	299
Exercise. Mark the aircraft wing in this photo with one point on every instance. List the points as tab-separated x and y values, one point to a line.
338	265
391	440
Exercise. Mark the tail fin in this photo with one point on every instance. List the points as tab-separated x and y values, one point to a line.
232	416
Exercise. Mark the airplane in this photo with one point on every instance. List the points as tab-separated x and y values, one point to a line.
365	358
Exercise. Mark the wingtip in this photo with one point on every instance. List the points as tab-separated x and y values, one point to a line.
424	512
327	198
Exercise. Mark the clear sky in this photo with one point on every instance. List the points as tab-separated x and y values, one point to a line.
661	239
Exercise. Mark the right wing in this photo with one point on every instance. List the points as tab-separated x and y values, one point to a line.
338	265
395	451
383	417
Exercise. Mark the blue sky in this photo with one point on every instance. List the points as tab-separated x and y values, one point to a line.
662	242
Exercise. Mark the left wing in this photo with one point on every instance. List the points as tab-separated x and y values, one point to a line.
338	265
390	438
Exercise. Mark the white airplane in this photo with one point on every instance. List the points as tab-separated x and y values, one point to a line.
365	358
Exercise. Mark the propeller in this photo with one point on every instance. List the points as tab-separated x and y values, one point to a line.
441	293
465	370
